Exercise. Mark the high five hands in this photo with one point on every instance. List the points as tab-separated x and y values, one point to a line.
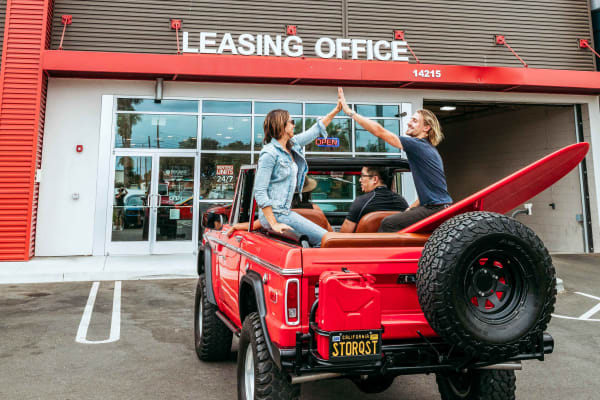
342	101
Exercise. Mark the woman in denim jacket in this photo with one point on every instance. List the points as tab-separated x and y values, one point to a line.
281	171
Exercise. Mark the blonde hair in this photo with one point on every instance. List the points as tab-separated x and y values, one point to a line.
435	135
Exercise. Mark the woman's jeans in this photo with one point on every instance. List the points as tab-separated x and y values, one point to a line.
300	224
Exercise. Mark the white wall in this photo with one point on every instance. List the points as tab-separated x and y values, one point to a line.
66	226
73	116
479	151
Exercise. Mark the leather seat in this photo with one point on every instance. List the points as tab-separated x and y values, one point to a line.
372	221
394	239
316	215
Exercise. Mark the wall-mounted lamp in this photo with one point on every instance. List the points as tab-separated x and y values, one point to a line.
500	40
291	30
585	44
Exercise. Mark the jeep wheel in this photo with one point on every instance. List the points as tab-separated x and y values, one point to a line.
258	376
477	385
374	384
486	284
212	338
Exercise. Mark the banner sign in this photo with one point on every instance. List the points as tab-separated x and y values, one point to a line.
328	142
248	44
224	169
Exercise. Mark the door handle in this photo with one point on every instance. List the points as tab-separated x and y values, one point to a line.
238	238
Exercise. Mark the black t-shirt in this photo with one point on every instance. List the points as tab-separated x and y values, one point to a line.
380	199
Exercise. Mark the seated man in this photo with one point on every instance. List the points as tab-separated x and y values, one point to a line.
377	197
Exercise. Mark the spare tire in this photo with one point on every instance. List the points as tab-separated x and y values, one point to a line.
486	284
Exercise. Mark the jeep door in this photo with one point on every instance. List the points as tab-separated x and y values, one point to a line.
229	267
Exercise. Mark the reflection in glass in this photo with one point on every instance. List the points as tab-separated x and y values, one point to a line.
265	107
366	142
332	206
259	131
163	106
376	110
156	131
175	198
226	133
340	128
226	107
219	174
321	109
130	195
334	187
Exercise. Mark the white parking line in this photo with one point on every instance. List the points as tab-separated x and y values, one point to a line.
115	324
586	315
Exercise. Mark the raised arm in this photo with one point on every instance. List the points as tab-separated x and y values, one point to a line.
369	125
317	129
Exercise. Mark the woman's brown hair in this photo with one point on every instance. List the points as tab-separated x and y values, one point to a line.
274	125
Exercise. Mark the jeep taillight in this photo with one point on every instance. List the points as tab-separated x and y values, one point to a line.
292	308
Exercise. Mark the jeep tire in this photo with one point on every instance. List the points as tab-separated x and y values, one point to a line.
258	376
486	284
477	385
212	338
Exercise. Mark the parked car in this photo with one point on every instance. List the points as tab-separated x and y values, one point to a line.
134	210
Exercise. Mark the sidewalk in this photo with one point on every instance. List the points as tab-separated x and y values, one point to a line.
98	268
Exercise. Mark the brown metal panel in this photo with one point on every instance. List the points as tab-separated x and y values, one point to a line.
543	33
460	32
143	26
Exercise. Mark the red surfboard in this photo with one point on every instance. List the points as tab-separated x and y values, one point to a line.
511	191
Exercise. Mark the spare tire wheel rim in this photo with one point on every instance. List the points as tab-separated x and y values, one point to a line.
495	285
249	373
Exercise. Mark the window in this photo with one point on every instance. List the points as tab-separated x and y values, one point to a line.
229	133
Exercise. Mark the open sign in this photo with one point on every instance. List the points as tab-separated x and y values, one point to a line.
327	142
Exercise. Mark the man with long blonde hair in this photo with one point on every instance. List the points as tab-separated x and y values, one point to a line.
424	133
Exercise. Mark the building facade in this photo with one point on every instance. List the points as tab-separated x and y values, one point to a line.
121	122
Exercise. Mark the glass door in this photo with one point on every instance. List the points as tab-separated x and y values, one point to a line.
152	203
173	204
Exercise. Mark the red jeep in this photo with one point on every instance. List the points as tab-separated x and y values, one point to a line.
466	295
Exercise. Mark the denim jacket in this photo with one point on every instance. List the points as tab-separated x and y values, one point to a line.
274	183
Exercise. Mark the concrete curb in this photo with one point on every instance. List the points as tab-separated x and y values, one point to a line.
113	268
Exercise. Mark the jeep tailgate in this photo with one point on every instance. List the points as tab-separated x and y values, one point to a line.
394	271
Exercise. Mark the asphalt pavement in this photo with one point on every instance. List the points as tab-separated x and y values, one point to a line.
143	349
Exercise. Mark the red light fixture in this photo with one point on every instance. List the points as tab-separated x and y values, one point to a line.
176	24
291	30
501	41
585	44
66	20
399	35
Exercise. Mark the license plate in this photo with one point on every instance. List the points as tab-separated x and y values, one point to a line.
354	345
